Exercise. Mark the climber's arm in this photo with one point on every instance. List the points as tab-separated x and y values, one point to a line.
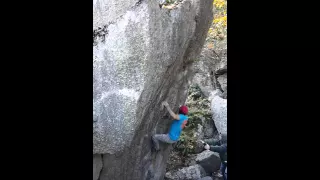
212	142
174	116
218	149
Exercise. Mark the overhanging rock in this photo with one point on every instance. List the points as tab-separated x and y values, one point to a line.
142	55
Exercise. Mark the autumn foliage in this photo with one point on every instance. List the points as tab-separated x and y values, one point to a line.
218	29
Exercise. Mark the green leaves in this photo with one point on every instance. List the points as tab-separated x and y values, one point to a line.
170	1
186	143
219	3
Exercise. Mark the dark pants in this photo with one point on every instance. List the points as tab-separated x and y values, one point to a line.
223	170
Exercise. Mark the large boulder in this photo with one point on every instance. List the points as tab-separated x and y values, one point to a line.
199	146
210	161
219	111
142	55
187	173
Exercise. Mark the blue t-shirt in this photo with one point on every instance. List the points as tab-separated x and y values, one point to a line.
176	127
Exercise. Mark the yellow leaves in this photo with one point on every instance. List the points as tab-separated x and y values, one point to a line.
221	20
219	3
224	23
218	30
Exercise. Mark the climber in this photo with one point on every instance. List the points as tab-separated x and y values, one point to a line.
219	146
179	122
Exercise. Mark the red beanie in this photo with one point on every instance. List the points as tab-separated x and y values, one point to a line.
184	110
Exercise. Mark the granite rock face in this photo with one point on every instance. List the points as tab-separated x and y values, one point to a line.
142	55
97	166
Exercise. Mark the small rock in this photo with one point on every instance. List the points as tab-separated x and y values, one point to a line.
199	147
223	81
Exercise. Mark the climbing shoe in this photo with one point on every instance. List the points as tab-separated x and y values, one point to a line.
155	143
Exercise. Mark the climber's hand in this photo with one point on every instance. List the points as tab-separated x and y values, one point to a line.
202	142
165	103
207	147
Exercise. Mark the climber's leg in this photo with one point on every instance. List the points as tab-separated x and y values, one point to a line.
164	138
161	137
155	143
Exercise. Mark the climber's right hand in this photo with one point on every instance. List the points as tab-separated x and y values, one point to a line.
207	147
165	103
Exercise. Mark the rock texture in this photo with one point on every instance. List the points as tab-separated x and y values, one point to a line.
220	75
211	77
198	147
199	134
210	161
200	165
211	69
142	55
97	166
219	111
203	76
208	128
187	173
206	178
